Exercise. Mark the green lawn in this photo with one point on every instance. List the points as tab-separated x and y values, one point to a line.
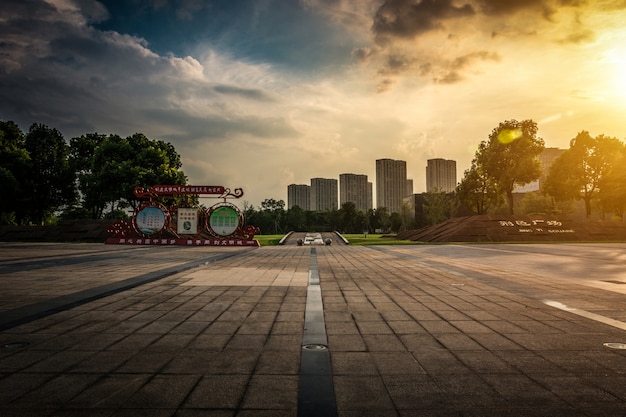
268	240
373	239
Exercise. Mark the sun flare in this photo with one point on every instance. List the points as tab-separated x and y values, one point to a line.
616	62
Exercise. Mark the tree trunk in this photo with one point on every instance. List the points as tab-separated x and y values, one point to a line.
509	200
587	207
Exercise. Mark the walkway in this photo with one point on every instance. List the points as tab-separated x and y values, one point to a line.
484	330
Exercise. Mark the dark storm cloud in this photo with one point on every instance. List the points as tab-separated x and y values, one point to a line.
506	7
192	128
453	71
408	18
411	18
57	69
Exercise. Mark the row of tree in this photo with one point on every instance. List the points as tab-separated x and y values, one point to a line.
272	218
42	176
591	170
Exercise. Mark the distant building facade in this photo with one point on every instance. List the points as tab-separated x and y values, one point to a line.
391	184
323	194
354	188
546	159
299	195
441	175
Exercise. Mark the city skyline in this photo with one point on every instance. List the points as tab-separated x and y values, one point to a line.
262	94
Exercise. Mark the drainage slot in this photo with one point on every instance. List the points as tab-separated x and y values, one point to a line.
15	345
612	345
316	392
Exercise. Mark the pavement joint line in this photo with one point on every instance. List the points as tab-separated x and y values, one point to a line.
51	258
41	263
316	392
587	314
512	287
32	312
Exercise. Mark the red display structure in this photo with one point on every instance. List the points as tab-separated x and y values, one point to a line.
153	223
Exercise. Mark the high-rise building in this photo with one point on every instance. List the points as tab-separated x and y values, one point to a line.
391	184
354	188
546	158
323	194
299	195
441	175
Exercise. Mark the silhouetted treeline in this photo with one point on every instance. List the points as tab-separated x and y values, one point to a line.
43	178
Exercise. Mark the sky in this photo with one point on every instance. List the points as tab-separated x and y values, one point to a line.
260	94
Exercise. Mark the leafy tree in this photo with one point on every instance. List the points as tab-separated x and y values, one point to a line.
579	172
406	216
439	206
15	167
332	219
381	219
51	178
536	203
348	214
360	222
509	157
82	151
613	190
476	190
395	222
113	177
110	167
275	210
296	219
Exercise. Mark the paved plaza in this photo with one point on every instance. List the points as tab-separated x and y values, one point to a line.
432	330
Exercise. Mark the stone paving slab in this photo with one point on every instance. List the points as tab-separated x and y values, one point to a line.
405	337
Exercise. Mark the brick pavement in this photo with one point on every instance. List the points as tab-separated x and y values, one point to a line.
405	339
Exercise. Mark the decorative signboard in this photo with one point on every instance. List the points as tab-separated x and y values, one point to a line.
150	219
187	221
545	226
153	223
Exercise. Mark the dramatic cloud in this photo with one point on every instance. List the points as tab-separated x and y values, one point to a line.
407	18
259	93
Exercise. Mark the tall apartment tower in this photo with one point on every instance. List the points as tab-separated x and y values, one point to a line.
299	195
323	194
441	175
391	184
354	188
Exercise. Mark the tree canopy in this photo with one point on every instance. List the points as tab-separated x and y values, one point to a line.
42	175
508	158
589	168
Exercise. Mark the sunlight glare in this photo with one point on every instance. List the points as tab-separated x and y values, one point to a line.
616	59
507	136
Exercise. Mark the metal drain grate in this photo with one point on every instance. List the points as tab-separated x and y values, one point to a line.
314	347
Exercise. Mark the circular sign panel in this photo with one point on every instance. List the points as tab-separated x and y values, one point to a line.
224	220
150	220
